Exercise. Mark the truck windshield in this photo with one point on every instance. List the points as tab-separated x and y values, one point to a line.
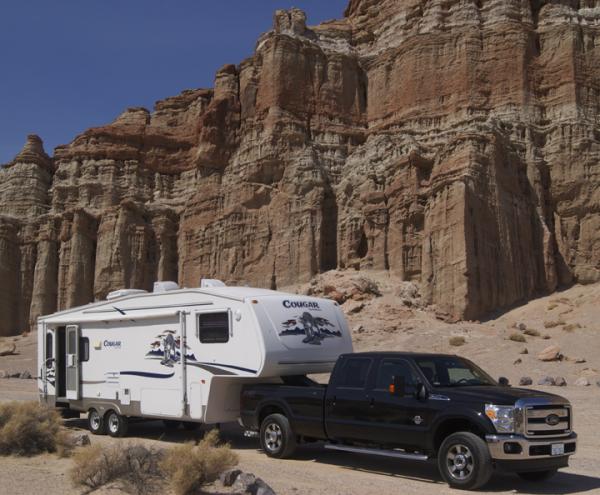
450	371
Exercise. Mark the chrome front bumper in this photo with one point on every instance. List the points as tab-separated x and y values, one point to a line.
517	447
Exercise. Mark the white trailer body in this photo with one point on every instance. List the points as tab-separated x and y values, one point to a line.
183	354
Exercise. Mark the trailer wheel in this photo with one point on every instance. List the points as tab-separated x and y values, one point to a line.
276	437
464	461
116	424
96	423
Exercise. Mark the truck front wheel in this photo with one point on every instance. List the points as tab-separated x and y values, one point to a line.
538	475
464	461
276	437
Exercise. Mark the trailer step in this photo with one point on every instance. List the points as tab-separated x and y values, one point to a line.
398	454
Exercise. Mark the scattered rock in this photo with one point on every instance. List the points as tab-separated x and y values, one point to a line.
244	481
8	349
598	383
532	332
25	375
261	488
525	380
547	381
551	353
571	327
582	382
353	307
547	337
580	361
518	361
517	337
14	374
553	323
524	350
3	374
81	440
358	329
521	326
560	381
228	477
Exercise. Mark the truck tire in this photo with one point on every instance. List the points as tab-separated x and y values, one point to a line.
538	475
464	461
276	437
116	425
96	423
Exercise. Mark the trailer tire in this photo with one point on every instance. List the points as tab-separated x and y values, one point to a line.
96	423
276	437
464	461
116	425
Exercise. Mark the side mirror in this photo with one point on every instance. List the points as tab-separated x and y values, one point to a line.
503	381
397	387
421	392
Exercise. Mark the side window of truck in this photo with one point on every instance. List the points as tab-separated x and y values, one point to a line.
390	368
354	373
213	328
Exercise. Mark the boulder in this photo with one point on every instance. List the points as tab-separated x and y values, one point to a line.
547	381
228	477
582	382
551	353
8	349
243	482
261	488
518	361
525	380
521	326
560	381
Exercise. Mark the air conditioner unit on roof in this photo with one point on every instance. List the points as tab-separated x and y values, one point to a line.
165	286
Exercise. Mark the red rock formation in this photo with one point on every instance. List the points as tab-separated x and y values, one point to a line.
454	143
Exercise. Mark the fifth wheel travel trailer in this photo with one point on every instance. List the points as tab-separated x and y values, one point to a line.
181	354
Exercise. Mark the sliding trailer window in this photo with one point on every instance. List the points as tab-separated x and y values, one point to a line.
214	328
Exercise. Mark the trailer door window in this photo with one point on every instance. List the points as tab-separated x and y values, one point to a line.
49	346
213	328
84	349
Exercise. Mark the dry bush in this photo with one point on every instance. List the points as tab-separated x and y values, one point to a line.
571	327
532	332
367	286
28	428
457	341
553	323
189	466
517	337
133	466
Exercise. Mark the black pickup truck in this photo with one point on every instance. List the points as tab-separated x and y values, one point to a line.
419	407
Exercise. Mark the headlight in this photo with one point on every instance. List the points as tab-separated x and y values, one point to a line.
503	417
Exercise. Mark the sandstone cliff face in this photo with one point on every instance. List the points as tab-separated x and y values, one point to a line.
455	143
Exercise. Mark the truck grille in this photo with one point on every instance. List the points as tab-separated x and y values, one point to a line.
548	421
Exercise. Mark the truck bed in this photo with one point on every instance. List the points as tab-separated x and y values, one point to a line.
302	404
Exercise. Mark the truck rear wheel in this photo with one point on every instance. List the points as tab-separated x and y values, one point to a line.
96	423
538	475
464	461
276	437
116	424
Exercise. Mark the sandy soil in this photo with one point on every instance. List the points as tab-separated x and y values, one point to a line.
387	324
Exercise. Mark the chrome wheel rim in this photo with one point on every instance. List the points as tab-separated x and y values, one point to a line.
95	420
113	423
273	437
460	462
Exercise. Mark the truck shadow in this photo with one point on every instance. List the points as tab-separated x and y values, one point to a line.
562	484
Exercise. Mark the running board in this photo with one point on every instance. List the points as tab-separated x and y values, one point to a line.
386	453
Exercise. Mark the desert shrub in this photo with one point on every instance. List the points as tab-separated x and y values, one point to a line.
532	332
517	337
571	327
553	323
189	466
28	428
367	286
457	341
134	466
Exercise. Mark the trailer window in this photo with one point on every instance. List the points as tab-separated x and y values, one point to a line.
213	328
49	346
84	349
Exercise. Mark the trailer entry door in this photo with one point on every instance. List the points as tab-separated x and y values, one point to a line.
72	364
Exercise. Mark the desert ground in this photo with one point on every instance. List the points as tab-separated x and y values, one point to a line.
395	320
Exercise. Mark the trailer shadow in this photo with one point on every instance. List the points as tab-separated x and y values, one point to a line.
563	483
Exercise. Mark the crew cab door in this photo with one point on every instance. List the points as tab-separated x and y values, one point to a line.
72	362
347	405
397	420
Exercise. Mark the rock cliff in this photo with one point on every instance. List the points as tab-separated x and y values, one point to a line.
455	143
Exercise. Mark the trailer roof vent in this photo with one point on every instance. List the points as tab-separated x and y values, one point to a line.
116	294
165	286
207	283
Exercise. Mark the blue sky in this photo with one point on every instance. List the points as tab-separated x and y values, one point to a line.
67	65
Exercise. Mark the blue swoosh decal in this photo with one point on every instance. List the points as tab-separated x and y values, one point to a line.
146	375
